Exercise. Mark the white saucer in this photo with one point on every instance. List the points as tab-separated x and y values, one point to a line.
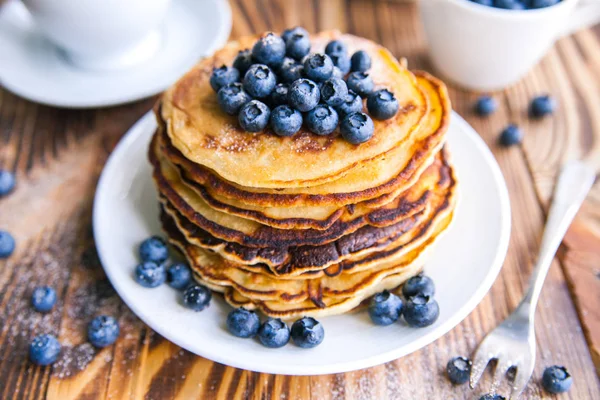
33	68
464	265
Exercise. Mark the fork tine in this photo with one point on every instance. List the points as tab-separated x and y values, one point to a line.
522	376
482	358
500	371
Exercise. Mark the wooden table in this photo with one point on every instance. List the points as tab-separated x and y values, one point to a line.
58	155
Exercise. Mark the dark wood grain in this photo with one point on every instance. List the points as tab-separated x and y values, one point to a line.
58	155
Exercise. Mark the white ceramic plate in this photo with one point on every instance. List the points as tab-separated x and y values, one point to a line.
31	67
463	265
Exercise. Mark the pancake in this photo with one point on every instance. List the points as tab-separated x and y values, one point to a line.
207	136
393	172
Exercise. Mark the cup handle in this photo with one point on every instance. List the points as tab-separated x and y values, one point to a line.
585	13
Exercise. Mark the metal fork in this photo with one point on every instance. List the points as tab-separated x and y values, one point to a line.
512	343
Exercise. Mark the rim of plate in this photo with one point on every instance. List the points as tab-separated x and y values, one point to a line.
256	365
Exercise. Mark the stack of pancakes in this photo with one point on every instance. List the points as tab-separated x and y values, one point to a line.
305	225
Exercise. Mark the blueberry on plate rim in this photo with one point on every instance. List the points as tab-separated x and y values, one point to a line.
44	349
307	332
197	297
357	127
418	285
43	298
103	331
7	244
222	76
154	249
259	81
459	370
421	311
382	104
285	121
254	116
243	323
322	120
556	379
150	274
7	182
179	275
274	333
385	308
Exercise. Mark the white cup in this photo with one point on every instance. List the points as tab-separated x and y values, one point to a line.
485	48
101	34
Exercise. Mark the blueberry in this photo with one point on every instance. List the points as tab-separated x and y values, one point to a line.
232	97
307	333
291	73
541	106
486	105
418	285
243	323
304	95
269	50
285	121
197	297
334	91
279	95
43	298
274	333
318	67
458	370
342	62
511	135
337	73
254	116
179	276
382	104
103	331
222	76
421	311
357	127
243	61
336	47
154	249
352	103
385	308
44	349
556	379
490	396
322	120
297	46
7	182
287	63
488	3
150	274
259	81
361	83
509	4
7	244
543	3
288	33
360	61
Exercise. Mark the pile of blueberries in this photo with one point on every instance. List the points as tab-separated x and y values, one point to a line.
281	84
517	4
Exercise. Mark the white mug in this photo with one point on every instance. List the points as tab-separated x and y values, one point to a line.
485	48
101	34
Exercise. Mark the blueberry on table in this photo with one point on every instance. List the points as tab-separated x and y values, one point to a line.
222	76
556	379
232	97
385	308
274	333
382	104
304	95
288	33
511	135
342	62
243	61
318	67
307	333
259	81
542	106
103	331
150	274
322	120
458	370
43	298
291	73
490	396
421	311
7	244
357	127
279	95
285	121
361	83
542	3
509	4
254	116
352	103
154	249
297	46
418	285
243	323
44	349
269	50
197	297
7	182
486	105
179	276
360	61
334	91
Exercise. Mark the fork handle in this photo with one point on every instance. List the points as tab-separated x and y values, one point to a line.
574	183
